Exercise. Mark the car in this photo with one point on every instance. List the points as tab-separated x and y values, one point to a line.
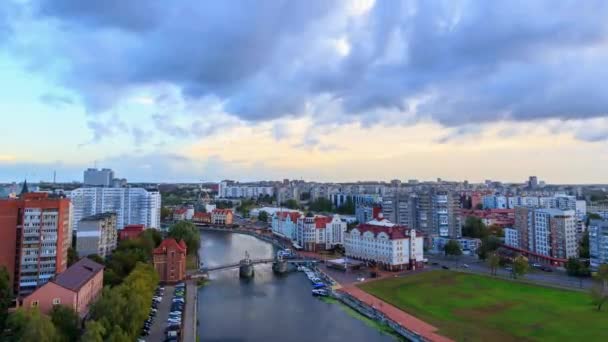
464	266
435	263
445	267
509	268
176	312
537	265
546	269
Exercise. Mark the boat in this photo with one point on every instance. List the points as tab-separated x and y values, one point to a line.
322	293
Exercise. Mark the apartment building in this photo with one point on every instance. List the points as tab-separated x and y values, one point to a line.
221	216
392	247
239	190
131	205
598	243
547	232
285	224
318	232
95	177
35	234
97	234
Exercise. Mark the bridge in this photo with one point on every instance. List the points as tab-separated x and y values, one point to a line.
254	262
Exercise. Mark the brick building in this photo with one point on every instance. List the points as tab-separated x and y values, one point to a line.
131	231
77	287
35	234
170	260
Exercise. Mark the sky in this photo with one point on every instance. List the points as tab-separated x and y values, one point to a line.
324	90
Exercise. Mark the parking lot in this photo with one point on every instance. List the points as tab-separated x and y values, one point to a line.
157	331
166	322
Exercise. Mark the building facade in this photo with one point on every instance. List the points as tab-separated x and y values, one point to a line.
598	243
546	232
131	231
170	260
511	237
77	288
392	247
131	205
318	232
35	234
95	177
97	234
467	245
285	224
222	216
237	190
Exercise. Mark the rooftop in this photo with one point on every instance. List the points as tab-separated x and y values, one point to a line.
78	274
98	217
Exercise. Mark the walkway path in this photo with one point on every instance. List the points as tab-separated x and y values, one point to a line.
190	327
425	330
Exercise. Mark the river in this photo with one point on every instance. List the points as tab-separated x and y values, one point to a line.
267	307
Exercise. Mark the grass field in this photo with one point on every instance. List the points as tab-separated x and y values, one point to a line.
469	307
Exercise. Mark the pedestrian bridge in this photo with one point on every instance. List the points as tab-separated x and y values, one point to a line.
254	262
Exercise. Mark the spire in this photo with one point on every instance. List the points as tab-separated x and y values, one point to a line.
24	189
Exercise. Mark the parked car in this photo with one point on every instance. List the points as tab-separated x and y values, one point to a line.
464	266
509	268
445	267
546	268
537	265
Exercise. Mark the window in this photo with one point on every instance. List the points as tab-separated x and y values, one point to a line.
56	301
35	304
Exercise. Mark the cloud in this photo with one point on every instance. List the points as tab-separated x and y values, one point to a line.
57	101
453	62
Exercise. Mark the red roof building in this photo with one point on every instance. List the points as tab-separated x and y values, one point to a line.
501	217
222	216
131	231
170	260
201	217
79	286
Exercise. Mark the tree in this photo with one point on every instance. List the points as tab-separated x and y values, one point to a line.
495	230
493	262
67	323
452	248
29	325
98	259
165	213
291	204
188	232
599	291
583	250
72	256
347	208
321	204
592	216
474	228
263	216
520	266
488	244
573	267
94	332
5	295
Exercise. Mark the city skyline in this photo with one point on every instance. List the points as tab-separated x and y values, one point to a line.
330	91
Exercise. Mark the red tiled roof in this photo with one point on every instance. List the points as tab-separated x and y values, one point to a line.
77	275
222	211
179	211
134	228
170	243
321	221
394	232
201	215
293	215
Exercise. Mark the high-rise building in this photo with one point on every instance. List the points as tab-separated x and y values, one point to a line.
95	177
598	243
131	205
549	232
97	234
35	234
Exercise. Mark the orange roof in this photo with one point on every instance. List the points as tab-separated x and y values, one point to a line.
293	215
321	221
170	243
180	211
222	211
201	215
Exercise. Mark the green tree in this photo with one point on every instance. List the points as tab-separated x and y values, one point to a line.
599	291
6	295
321	204
291	204
520	266
263	216
593	216
94	332
67	323
223	204
188	232
29	325
493	262
583	250
72	256
165	213
347	208
98	259
488	245
474	228
452	248
573	267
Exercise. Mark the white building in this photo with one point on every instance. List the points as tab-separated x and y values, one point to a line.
95	177
511	237
317	232
598	243
391	246
131	205
237	190
555	233
97	235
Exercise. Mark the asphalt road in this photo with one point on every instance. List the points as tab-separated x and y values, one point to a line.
189	331
557	277
157	333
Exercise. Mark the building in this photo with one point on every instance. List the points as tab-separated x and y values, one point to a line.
97	234
170	260
400	208
179	214
318	232
511	237
201	218
35	234
77	287
546	232
467	245
221	216
285	224
95	177
500	217
598	243
131	231
392	247
131	205
365	212
236	190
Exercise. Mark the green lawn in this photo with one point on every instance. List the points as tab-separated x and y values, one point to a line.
469	307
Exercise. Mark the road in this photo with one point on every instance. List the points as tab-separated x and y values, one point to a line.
557	277
157	333
190	315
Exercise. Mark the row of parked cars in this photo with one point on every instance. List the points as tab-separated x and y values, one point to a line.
176	313
158	297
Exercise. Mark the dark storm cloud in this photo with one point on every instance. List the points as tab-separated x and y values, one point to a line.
463	62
